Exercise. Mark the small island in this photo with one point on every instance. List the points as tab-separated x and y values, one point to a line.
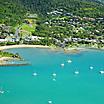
7	56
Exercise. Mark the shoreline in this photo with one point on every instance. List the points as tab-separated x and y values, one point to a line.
22	46
4	60
67	49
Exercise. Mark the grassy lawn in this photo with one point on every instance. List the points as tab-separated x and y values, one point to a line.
28	27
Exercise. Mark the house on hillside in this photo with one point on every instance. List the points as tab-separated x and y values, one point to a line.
2	39
33	38
12	38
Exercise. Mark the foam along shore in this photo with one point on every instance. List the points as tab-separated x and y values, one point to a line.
22	46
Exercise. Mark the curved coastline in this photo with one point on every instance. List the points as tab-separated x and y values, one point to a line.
22	46
69	50
66	50
4	60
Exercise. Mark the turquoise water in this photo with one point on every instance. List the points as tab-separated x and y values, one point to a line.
21	87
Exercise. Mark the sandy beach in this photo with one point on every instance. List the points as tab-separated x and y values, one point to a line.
70	50
66	50
3	60
22	46
6	58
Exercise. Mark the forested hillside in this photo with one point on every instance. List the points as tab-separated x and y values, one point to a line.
89	8
12	11
52	22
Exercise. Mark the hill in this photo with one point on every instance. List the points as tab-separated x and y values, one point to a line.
50	22
90	8
12	12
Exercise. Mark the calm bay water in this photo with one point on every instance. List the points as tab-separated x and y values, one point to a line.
21	87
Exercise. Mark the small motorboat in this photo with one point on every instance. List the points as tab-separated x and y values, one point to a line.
1	92
102	72
69	61
62	65
34	74
91	67
49	102
54	79
54	74
76	72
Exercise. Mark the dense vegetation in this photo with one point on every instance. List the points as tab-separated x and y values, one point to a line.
81	8
78	7
8	54
54	20
13	11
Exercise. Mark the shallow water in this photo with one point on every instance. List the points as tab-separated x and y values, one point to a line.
21	87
